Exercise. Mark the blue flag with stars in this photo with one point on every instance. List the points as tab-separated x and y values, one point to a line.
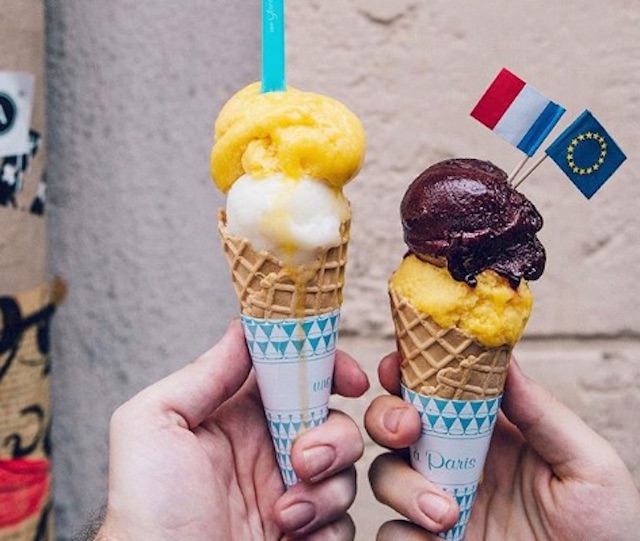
586	153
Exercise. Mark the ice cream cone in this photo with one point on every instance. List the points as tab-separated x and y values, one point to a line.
456	384
446	363
290	317
460	302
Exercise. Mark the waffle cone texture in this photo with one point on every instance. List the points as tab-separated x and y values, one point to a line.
268	289
445	363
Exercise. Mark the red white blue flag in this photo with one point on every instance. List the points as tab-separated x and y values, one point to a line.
517	112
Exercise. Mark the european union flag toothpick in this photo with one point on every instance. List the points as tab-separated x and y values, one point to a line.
586	153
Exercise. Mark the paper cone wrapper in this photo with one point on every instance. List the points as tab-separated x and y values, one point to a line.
290	317
456	384
293	360
453	446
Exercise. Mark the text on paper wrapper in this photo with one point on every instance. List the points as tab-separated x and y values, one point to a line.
321	385
437	461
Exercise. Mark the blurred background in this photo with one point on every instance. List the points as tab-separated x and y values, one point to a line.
133	88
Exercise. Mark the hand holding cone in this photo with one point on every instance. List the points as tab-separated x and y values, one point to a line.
459	305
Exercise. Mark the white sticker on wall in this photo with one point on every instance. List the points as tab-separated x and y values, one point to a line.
16	103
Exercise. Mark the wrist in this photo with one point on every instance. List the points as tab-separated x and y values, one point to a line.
122	528
107	532
103	534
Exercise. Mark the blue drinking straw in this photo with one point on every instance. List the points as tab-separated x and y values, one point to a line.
273	61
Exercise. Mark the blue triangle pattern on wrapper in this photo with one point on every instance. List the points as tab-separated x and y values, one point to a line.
314	343
464	498
289	327
310	328
474	416
459	406
322	323
286	339
284	428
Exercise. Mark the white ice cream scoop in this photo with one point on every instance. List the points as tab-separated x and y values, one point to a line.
293	219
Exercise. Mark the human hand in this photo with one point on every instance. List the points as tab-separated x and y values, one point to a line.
547	474
191	458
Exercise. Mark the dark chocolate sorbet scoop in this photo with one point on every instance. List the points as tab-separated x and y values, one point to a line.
463	211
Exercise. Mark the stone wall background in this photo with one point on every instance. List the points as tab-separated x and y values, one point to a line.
133	89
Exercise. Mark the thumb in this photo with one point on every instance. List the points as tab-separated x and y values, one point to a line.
555	432
197	390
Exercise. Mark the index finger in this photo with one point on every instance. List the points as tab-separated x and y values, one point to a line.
389	372
349	379
396	484
392	423
405	530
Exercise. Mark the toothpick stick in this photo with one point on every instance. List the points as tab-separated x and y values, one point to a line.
531	170
518	168
273	46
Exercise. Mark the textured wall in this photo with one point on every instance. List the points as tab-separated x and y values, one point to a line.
133	89
413	70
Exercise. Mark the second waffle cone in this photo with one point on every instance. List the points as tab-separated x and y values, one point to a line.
446	363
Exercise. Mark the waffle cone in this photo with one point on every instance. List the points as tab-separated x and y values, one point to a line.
267	289
446	363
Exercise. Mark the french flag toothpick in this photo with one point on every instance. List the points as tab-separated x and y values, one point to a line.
517	112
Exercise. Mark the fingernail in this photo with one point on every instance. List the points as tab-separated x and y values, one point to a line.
297	515
392	418
433	506
318	459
